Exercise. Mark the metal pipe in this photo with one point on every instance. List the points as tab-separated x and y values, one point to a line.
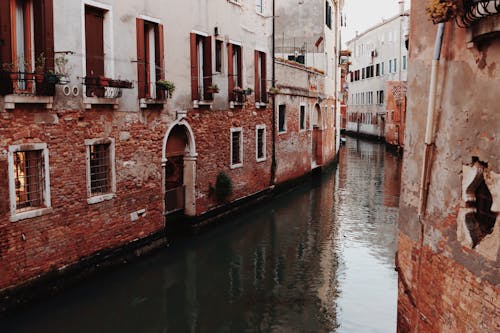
273	106
429	129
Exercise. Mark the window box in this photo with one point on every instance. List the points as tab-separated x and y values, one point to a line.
103	90
24	88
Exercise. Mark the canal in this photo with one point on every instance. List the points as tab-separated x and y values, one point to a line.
317	259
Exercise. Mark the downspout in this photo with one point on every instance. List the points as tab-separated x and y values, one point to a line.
273	161
429	130
429	143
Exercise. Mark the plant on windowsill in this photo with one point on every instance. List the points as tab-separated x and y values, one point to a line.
273	91
213	89
50	77
248	91
61	63
442	10
167	86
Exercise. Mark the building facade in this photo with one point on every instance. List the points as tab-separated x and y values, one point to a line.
449	230
379	55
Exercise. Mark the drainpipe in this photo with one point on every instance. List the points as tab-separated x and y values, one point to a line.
429	130
273	161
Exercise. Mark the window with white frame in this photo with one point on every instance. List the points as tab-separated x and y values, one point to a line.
29	180
302	117
236	147
260	142
101	183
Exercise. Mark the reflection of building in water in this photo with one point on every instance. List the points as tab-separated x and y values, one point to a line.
392	180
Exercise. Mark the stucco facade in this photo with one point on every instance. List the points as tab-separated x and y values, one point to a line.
449	212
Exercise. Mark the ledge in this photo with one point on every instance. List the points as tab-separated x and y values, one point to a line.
30	214
199	104
144	103
261	105
100	198
12	100
234	104
89	101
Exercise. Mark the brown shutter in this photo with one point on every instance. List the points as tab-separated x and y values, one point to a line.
257	75
263	77
141	59
5	33
43	18
160	52
207	67
94	47
194	68
230	71
240	67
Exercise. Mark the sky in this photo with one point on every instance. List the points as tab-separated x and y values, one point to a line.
363	14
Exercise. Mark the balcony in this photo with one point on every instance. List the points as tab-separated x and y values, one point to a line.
475	10
27	88
100	90
156	94
239	97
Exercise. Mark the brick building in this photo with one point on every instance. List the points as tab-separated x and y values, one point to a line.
395	113
449	230
98	150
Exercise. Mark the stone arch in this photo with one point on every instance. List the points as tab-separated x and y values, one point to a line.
179	169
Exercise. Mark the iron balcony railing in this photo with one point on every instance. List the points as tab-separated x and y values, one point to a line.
475	10
103	87
27	83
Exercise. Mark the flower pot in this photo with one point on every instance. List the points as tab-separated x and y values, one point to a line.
39	77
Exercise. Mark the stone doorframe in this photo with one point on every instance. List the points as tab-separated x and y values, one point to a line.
190	158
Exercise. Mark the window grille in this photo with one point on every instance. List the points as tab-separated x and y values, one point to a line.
475	10
281	118
236	148
100	173
29	179
302	117
260	143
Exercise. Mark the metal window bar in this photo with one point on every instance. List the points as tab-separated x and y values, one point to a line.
29	179
236	158
260	143
475	10
100	169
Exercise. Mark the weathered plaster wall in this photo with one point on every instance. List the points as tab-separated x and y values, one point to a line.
445	285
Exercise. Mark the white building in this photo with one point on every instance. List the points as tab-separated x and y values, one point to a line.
379	55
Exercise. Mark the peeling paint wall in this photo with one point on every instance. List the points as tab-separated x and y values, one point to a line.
445	284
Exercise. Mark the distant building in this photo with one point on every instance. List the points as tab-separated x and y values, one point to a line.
379	55
449	223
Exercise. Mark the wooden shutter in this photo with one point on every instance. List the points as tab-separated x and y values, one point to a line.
263	77
230	71
94	47
5	33
207	67
194	68
256	61
240	67
141	59
160	52
43	19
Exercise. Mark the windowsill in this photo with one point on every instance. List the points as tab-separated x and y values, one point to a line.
12	100
233	104
200	104
89	101
281	132
30	214
260	105
236	166
260	14
144	103
260	160
100	198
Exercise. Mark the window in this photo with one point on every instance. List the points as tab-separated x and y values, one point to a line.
395	65
150	55
201	67
260	142
390	66
281	118
259	6
382	69
377	70
218	55
363	73
260	77
26	32
234	70
328	15
302	120
29	180
236	147
404	62
101	182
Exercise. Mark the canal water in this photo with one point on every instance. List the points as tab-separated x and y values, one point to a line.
317	259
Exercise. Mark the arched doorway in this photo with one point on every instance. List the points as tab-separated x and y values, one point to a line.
316	136
179	170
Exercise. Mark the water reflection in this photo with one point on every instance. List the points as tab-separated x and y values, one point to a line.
319	259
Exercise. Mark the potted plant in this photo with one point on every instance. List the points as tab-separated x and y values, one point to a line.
166	85
40	67
50	77
104	81
11	69
213	89
441	10
248	91
273	91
